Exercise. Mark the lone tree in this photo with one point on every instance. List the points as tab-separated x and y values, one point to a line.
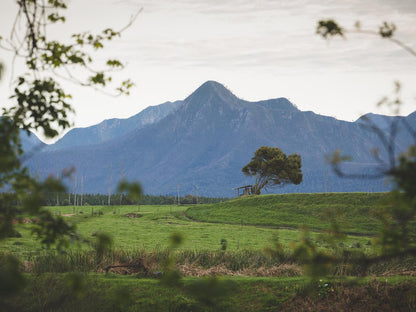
272	167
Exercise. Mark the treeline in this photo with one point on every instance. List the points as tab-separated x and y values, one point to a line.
121	199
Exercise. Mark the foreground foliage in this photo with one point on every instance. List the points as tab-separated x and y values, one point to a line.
61	292
221	277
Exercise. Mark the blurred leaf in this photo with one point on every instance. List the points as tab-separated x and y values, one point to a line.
387	30
211	291
329	28
104	243
77	283
11	279
175	240
134	189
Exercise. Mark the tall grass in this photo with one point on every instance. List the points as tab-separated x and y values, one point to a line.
87	261
193	262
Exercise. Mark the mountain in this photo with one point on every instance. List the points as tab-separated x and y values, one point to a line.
113	128
210	136
31	144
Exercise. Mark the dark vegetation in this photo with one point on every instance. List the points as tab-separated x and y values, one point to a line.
66	199
49	292
272	168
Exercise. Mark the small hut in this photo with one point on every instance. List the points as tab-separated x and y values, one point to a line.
243	190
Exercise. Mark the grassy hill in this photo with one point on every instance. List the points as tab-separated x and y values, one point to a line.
246	222
241	278
355	212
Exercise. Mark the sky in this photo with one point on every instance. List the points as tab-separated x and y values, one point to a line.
259	49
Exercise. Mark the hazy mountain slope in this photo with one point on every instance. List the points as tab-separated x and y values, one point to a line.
206	141
113	128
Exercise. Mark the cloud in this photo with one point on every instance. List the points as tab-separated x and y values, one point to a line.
260	34
257	43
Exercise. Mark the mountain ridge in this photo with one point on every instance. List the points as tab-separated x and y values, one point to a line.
114	127
206	140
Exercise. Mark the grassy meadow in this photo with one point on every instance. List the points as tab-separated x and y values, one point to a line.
222	254
355	212
246	223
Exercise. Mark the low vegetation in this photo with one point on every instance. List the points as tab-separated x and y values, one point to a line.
66	199
51	292
230	248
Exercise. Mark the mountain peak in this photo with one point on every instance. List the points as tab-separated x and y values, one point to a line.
213	86
210	89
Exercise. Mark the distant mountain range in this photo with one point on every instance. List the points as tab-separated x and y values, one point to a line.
202	142
113	128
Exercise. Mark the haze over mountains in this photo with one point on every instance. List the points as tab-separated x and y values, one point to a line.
113	128
203	142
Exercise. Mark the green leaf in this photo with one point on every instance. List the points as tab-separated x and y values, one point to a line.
134	189
114	63
329	28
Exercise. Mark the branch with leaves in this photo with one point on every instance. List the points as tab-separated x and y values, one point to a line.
330	28
41	104
38	90
397	237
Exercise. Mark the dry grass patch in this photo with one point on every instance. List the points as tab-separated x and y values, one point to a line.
286	270
283	270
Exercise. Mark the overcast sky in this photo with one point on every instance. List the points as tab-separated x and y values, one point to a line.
259	49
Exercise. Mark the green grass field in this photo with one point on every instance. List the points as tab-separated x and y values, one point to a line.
355	212
246	223
250	279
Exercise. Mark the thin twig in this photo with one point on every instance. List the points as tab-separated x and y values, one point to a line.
391	39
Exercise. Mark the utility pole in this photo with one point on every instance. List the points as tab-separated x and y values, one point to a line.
326	180
57	193
121	179
82	188
69	194
109	187
177	188
75	190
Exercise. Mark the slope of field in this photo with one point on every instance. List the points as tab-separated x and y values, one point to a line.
150	230
355	212
246	223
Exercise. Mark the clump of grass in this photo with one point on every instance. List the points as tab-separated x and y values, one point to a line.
202	262
88	261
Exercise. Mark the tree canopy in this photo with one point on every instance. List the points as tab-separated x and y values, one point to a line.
271	167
